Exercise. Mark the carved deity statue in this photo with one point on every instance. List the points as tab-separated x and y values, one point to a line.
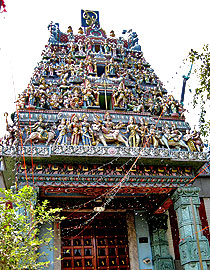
91	96
111	68
144	133
197	141
119	96
86	131
108	131
90	66
63	130
75	130
40	126
133	130
13	137
39	132
75	100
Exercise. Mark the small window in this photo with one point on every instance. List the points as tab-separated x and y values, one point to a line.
97	48
100	70
143	240
105	102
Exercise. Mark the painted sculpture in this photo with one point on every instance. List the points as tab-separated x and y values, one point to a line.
90	71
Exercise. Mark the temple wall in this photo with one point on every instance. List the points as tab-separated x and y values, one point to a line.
207	206
143	242
133	252
47	249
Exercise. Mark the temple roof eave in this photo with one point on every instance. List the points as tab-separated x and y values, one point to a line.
147	156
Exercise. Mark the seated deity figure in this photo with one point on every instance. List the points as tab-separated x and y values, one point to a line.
60	71
42	84
86	131
55	101
188	139
107	132
109	127
132	103
40	127
133	130
90	95
139	107
175	134
197	140
75	100
42	100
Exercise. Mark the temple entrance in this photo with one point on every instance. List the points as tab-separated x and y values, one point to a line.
101	244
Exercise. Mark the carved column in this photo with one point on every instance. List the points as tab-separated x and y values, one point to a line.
190	247
133	250
160	250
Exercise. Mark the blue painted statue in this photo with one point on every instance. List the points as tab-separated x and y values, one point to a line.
133	42
54	32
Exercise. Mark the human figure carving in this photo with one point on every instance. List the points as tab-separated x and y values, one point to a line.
133	130
91	96
75	129
86	131
63	130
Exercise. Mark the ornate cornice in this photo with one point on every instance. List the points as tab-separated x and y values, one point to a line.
181	196
102	151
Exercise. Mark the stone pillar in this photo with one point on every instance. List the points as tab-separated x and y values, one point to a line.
133	250
189	247
159	243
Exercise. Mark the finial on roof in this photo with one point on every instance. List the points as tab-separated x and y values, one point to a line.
112	34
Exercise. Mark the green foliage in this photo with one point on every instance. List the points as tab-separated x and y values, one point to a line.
202	93
20	227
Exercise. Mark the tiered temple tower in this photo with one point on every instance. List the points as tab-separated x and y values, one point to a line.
97	134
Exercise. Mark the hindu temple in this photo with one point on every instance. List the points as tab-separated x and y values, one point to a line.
97	134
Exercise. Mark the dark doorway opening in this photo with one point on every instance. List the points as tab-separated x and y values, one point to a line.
100	70
105	101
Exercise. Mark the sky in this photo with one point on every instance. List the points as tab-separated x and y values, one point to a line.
167	31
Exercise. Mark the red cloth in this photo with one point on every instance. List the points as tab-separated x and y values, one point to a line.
2	5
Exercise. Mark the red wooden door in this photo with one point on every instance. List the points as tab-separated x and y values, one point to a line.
103	244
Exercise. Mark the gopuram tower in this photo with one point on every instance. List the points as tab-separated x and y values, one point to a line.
97	134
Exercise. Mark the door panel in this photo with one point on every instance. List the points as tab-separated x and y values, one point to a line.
101	244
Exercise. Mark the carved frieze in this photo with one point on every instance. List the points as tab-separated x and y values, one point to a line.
105	151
